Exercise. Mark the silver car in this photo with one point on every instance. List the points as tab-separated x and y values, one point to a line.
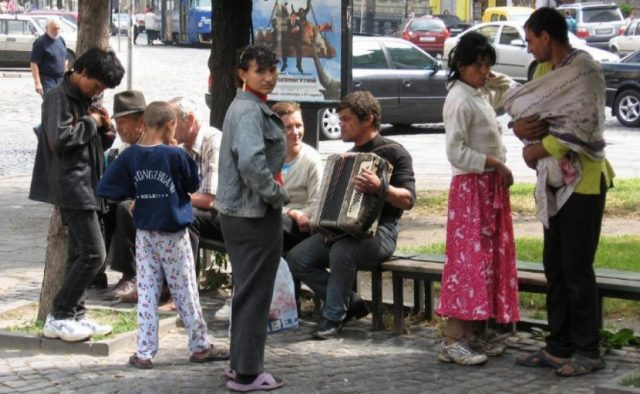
597	22
408	82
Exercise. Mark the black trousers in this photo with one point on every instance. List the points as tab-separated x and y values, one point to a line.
86	254
254	246
570	245
205	224
121	239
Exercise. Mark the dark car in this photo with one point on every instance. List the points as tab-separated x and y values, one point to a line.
427	32
623	89
454	24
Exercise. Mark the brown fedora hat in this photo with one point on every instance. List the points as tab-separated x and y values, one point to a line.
128	102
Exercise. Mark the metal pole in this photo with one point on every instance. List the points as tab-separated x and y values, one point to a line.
361	14
130	47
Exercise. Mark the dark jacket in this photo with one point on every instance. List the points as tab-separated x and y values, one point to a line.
70	154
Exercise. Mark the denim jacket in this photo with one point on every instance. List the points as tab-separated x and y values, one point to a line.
251	153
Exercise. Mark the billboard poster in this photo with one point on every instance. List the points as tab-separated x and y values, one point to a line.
305	35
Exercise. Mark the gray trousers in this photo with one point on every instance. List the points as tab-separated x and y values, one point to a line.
254	246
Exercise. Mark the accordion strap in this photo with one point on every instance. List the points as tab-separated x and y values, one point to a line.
377	209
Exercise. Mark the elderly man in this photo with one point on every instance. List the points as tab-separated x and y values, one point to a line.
120	231
359	114
203	145
48	58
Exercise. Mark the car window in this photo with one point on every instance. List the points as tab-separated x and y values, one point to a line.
408	57
494	17
592	15
368	54
635	58
509	33
489	31
429	25
18	27
636	30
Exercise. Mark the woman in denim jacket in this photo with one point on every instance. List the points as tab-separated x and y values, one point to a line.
249	198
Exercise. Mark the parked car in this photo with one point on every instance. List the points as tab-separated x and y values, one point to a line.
498	14
454	24
511	49
623	88
628	41
597	22
120	23
427	32
17	34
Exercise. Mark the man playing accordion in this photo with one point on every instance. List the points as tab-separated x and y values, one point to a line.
359	114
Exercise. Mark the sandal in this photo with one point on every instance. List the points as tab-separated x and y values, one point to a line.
539	358
230	374
140	363
263	382
580	365
210	354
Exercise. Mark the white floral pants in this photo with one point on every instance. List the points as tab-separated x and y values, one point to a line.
159	255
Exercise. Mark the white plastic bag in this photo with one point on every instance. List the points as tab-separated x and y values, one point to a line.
283	313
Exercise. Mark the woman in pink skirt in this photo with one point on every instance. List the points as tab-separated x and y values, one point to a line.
479	281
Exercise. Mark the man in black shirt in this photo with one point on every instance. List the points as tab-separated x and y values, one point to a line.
48	58
359	114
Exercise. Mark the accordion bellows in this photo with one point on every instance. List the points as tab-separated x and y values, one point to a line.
343	210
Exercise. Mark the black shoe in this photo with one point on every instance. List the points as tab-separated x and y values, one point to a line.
300	70
327	329
284	67
357	309
99	281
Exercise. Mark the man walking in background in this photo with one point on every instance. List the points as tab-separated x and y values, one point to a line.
48	58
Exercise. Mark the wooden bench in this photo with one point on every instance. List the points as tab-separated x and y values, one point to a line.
428	269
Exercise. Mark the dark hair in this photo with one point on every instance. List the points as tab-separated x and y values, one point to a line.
549	20
265	58
363	104
102	65
472	47
282	108
157	115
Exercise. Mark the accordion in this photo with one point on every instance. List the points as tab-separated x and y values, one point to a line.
343	210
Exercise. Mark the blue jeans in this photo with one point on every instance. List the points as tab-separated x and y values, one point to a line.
48	82
86	254
309	260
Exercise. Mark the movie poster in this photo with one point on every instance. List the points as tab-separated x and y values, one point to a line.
305	34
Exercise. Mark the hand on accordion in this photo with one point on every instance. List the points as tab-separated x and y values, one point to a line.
367	182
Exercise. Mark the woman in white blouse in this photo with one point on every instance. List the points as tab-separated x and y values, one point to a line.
479	281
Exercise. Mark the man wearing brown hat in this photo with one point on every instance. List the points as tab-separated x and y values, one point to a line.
120	231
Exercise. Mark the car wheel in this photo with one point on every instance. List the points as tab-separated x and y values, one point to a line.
627	107
330	124
71	58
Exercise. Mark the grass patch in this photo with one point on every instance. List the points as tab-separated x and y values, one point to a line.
622	201
121	321
619	253
631	381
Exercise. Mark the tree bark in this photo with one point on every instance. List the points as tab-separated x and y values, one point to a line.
92	32
232	24
54	267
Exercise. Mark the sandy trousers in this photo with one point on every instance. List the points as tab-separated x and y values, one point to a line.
162	255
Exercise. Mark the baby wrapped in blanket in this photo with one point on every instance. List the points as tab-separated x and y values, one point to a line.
571	99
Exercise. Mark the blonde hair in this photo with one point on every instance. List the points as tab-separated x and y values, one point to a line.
285	108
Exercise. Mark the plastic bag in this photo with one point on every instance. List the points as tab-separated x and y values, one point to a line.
283	312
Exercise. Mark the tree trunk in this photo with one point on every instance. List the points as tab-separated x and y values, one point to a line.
92	32
94	25
232	24
54	267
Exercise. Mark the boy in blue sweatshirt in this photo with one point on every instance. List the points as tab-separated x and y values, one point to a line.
159	178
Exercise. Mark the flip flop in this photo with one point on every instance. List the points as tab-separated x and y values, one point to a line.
263	382
580	365
211	354
230	374
539	358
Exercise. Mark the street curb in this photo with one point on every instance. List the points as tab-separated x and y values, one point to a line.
104	348
4	74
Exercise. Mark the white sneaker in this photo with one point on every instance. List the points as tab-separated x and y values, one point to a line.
68	330
224	313
460	353
97	329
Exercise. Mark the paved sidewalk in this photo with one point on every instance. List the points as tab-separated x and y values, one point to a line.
359	361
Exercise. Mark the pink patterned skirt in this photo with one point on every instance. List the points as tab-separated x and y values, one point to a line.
479	280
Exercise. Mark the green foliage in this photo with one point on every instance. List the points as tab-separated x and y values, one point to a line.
623	337
631	381
626	9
